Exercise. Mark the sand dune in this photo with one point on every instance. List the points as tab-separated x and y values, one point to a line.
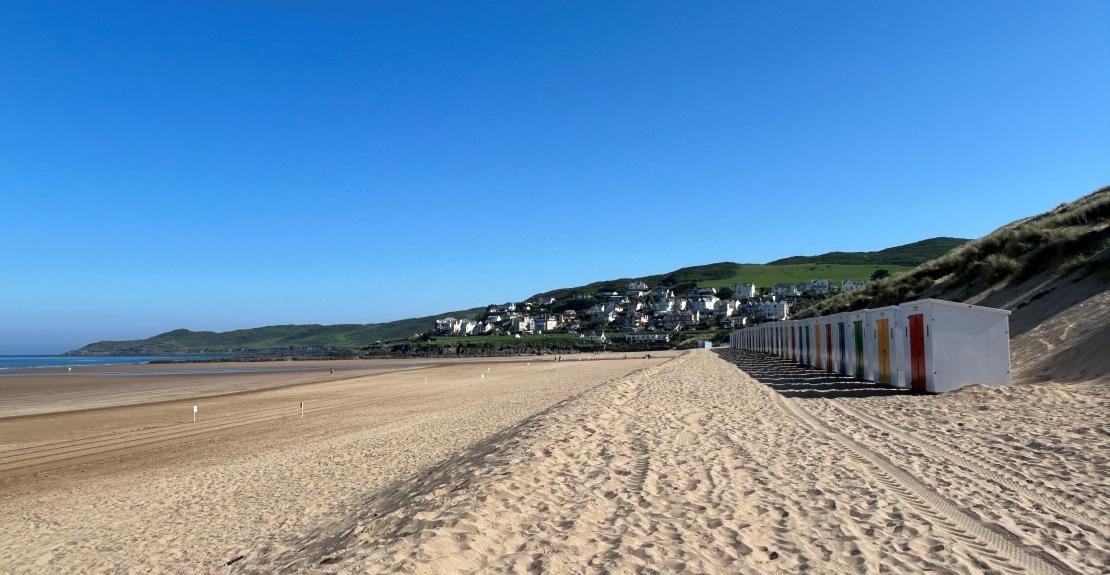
693	466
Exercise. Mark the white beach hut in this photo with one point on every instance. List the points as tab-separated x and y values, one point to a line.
815	341
882	363
951	345
841	338
855	346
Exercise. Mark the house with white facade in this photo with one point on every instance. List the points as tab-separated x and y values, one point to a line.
661	306
547	323
648	337
777	310
734	322
707	304
784	290
662	293
605	318
523	324
677	319
743	290
594	337
636	289
703	292
448	325
819	287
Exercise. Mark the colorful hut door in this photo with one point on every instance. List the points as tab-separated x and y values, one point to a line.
828	347
859	349
817	346
882	331
841	348
917	352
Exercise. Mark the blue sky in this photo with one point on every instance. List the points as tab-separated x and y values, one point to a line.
223	165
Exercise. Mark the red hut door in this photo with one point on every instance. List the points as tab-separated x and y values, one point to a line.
917	352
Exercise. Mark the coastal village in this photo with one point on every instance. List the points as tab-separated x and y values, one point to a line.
643	313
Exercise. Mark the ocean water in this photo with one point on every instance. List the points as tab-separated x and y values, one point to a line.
25	361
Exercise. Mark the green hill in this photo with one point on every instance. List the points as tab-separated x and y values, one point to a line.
905	255
835	266
1052	271
274	338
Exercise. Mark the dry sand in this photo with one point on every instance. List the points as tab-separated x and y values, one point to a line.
685	466
142	489
695	467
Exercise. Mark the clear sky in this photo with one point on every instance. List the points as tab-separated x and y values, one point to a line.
218	165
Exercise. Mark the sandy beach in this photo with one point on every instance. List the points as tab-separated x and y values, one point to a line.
140	488
703	463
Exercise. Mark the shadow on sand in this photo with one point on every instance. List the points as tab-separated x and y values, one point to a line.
793	380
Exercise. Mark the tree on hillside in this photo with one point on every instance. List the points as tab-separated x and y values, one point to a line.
725	293
879	274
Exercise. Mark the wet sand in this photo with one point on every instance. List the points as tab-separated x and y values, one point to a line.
48	390
140	488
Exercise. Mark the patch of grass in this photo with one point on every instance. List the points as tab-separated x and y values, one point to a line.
1072	237
997	267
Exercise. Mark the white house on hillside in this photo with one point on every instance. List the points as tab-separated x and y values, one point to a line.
819	287
743	290
707	304
523	324
783	290
778	310
547	323
663	306
637	289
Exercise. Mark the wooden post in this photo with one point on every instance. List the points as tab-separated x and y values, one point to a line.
302	410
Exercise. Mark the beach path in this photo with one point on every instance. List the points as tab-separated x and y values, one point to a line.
694	466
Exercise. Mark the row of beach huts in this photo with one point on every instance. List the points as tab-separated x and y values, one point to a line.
927	345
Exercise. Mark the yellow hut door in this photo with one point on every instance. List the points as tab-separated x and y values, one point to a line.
882	330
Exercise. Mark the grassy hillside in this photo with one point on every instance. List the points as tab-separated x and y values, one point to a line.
836	266
1051	270
275	337
905	255
1072	237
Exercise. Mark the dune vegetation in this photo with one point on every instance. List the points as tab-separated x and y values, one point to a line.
1071	240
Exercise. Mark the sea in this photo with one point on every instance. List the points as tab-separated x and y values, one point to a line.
26	361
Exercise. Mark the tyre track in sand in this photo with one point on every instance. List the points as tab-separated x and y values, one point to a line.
45	456
1002	548
984	470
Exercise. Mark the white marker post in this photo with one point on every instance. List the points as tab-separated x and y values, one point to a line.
194	414
302	410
